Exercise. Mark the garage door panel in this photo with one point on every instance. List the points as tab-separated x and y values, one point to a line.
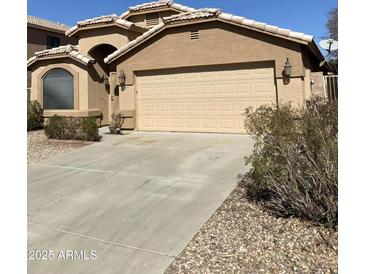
191	90
225	89
161	123
204	101
193	123
262	88
207	90
229	124
226	124
242	105
161	107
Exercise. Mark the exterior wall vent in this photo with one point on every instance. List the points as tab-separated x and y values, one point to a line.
194	35
152	19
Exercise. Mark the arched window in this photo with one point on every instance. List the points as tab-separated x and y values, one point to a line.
58	91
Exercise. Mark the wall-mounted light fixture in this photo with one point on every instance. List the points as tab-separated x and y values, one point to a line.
287	67
121	78
105	79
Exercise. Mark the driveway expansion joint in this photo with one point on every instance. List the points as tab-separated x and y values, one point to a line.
102	240
188	180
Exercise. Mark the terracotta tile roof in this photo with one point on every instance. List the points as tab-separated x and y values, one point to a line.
265	27
44	23
202	14
101	20
63	51
156	5
104	19
192	15
152	5
206	14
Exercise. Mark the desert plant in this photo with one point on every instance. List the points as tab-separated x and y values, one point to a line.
90	129
294	160
34	116
58	127
55	127
115	126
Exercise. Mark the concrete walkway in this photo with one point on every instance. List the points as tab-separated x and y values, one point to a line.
137	200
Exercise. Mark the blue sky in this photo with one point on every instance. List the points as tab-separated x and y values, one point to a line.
308	16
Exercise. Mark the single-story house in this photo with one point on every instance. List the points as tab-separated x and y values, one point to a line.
169	67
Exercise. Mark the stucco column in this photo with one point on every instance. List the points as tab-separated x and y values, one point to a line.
113	94
307	85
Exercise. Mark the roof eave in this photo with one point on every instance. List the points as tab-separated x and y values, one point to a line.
60	56
46	28
75	30
317	52
265	32
96	26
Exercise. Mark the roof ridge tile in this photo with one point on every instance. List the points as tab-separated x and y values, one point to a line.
38	21
101	20
62	51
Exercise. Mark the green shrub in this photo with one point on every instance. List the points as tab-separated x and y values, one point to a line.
55	127
90	129
34	116
294	160
116	123
58	127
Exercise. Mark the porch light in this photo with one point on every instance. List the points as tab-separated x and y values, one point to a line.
121	78
287	67
105	79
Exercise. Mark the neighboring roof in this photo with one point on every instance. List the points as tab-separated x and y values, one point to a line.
61	52
202	15
37	22
151	5
103	20
156	5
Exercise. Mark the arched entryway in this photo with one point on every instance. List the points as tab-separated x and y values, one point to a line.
58	91
103	70
101	51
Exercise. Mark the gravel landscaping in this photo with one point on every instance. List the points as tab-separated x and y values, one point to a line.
40	148
241	238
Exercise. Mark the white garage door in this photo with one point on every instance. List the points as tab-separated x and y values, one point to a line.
201	100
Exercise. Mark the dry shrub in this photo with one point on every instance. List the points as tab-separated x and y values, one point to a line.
116	124
294	160
63	128
34	116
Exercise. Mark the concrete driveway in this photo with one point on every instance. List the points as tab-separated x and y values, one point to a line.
137	200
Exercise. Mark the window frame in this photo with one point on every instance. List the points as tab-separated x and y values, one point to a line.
50	41
69	69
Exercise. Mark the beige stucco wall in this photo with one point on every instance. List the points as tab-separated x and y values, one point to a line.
219	43
126	97
90	94
290	91
318	83
111	35
98	94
